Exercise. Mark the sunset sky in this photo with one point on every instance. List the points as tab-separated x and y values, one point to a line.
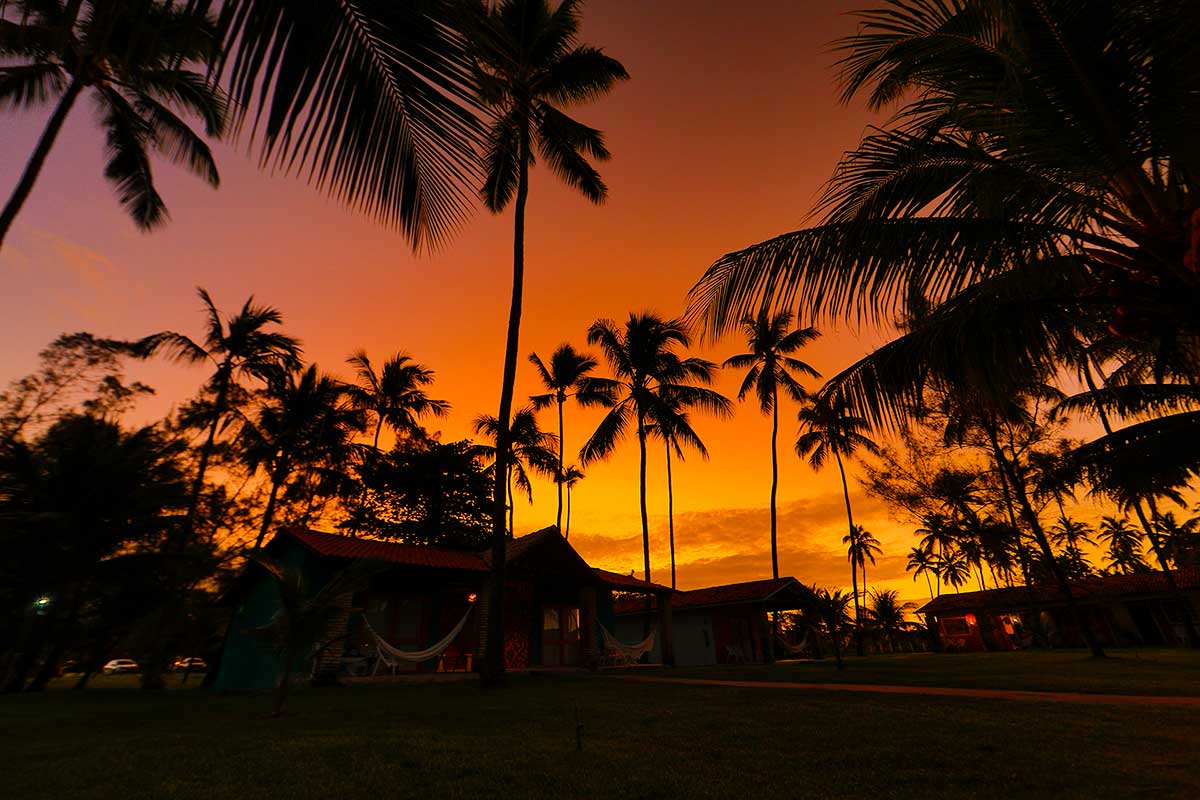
722	138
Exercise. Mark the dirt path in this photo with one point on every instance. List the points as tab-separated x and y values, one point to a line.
938	691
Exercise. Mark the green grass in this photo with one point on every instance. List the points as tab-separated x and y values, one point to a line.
452	740
1157	672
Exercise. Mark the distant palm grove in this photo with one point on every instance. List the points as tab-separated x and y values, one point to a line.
1026	224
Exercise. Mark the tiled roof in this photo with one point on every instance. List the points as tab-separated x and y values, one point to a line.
517	547
728	594
628	583
338	546
1101	588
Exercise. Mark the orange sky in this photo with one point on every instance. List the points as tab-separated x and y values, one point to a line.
722	138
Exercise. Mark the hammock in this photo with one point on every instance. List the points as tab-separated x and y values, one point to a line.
392	657
796	649
626	653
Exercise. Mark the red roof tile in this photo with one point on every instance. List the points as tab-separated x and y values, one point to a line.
616	580
1107	587
338	546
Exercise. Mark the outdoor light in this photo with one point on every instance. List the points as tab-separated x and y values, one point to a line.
471	597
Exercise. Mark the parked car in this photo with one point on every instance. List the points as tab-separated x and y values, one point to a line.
120	665
193	664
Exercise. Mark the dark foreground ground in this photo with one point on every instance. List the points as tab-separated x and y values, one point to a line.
451	740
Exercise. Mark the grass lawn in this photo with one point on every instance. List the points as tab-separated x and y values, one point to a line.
1159	671
451	740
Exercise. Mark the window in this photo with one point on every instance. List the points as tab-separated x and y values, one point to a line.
955	626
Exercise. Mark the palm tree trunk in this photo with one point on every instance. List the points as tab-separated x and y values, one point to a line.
853	565
671	514
559	519
38	159
929	584
378	430
642	497
492	672
224	376
268	513
568	530
1035	526
645	519
774	479
512	506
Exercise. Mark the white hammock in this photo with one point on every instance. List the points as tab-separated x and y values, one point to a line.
626	653
796	649
392	657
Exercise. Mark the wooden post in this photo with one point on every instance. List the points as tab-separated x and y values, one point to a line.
666	645
764	635
588	630
483	607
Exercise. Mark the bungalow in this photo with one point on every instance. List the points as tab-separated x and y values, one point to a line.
718	624
432	600
1123	610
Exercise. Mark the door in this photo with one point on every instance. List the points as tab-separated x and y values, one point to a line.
560	636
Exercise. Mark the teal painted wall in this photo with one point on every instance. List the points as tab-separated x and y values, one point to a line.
248	660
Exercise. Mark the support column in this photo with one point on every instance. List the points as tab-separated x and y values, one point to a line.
327	664
588	628
483	609
764	636
666	645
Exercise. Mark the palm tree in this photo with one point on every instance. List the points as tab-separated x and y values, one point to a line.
532	450
389	126
860	549
240	347
955	570
771	365
395	395
831	609
652	386
571	475
1124	545
922	561
1071	534
527	66
134	59
888	614
305	427
827	430
566	377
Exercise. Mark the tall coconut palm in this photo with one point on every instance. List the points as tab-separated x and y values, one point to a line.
922	562
142	62
861	548
652	384
566	377
828	430
532	450
1124	545
303	427
527	67
770	365
1071	535
570	476
240	347
955	570
395	395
